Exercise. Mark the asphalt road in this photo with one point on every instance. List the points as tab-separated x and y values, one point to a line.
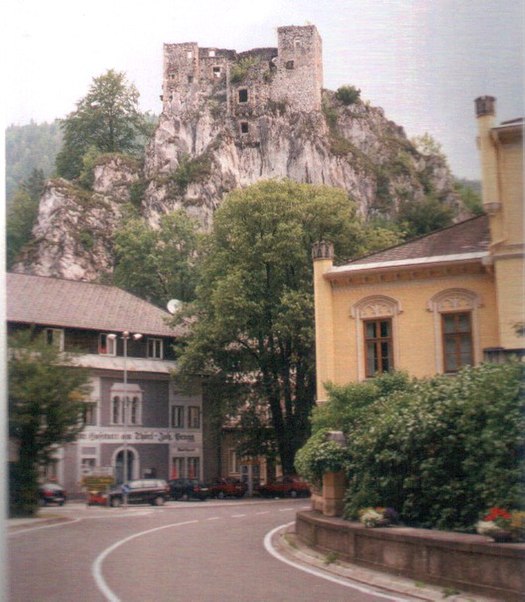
192	551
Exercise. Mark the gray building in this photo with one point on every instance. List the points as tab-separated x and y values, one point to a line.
135	406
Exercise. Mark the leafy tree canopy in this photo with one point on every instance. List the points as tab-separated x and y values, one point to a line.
106	119
22	213
254	303
158	264
45	406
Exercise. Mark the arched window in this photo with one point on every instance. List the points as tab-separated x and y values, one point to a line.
455	328
376	341
116	410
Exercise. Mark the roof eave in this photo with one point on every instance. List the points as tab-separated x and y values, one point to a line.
407	265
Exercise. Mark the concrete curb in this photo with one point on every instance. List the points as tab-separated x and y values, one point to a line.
19	524
287	544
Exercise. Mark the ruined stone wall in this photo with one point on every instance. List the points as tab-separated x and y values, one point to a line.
248	81
299	78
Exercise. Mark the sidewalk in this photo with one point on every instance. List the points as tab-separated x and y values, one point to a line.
290	547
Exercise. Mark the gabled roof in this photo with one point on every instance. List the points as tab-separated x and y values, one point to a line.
464	241
76	304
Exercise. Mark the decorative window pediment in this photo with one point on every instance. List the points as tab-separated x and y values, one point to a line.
376	306
454	299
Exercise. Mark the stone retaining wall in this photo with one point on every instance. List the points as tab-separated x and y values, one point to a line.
468	562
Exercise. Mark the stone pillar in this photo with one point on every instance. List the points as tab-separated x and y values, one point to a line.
334	487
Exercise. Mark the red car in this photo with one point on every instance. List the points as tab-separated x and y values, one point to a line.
228	487
287	486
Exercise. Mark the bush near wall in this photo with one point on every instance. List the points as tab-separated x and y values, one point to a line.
441	451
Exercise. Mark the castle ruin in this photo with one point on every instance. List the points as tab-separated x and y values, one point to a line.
246	84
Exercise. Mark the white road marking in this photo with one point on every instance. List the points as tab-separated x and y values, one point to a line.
214	518
238	515
96	568
317	573
265	512
58	524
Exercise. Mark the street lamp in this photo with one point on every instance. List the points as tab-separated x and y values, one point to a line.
125	338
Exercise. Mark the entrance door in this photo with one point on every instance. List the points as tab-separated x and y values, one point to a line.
119	466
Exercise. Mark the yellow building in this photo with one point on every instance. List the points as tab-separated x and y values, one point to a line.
442	301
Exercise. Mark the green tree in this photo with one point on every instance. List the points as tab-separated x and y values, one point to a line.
106	119
45	393
254	304
22	213
158	264
417	218
469	191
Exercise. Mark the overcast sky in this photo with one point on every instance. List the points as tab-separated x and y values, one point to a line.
423	61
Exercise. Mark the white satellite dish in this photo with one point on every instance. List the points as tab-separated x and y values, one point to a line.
174	305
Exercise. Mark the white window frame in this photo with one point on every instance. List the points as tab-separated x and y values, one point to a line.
55	336
133	393
194	412
155	348
179	411
110	345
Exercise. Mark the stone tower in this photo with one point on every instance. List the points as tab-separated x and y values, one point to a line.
291	74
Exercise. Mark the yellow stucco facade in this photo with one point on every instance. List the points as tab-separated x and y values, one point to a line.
441	302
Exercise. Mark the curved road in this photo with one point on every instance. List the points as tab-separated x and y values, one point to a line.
190	551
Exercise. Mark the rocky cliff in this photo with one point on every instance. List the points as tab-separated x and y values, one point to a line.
201	151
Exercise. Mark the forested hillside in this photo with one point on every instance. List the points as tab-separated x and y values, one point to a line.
29	147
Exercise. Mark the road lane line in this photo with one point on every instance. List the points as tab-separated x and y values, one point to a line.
238	515
214	518
96	567
318	573
265	512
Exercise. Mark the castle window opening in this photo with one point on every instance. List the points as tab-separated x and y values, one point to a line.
211	53
190	79
289	64
243	95
217	71
297	42
245	127
189	54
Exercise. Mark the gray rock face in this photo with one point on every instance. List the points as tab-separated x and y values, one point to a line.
201	150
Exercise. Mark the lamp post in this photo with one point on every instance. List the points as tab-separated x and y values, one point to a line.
125	338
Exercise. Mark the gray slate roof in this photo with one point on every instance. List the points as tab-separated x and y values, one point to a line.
469	236
76	304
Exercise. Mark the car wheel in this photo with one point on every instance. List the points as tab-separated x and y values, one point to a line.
159	501
221	495
116	502
184	497
293	493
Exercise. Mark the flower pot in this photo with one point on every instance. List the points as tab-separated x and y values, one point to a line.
501	536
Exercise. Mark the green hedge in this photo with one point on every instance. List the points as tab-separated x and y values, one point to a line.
440	451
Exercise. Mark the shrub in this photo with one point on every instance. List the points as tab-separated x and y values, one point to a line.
190	170
319	456
442	450
348	95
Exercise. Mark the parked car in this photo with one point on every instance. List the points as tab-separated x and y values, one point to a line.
185	489
140	491
286	486
51	493
228	487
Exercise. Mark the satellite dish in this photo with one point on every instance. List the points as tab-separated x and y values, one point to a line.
173	306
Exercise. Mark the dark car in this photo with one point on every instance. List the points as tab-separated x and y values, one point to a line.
228	487
140	491
51	493
286	486
185	489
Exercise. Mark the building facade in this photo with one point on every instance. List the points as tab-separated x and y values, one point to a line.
134	408
435	304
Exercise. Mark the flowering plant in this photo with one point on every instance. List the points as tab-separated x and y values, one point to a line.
499	520
378	517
